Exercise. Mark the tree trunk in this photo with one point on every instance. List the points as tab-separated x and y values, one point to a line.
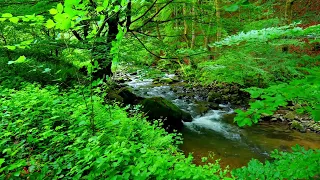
218	19
185	24
101	50
288	11
193	39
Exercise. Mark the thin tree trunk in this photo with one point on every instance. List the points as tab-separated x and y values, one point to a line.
185	24
219	25
193	39
288	11
218	18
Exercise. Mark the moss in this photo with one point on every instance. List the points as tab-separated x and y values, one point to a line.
114	96
160	108
290	116
212	96
298	126
128	96
166	80
202	108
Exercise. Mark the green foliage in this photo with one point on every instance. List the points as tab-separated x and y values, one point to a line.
302	91
49	134
242	66
299	164
268	34
262	24
15	72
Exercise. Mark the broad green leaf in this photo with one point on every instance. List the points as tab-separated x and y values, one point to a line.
123	3
2	160
7	15
105	3
3	19
66	24
21	59
53	11
116	8
244	122
11	47
60	8
99	8
14	20
232	8
50	24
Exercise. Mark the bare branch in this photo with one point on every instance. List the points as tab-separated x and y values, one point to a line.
145	12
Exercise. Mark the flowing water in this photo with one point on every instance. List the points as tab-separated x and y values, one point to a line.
211	132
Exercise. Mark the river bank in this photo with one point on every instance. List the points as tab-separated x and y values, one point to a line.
212	128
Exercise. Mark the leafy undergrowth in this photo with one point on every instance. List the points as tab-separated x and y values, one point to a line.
304	91
49	134
300	164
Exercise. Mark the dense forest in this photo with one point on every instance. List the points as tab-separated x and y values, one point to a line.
160	89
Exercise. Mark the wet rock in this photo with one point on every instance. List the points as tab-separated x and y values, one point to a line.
213	96
290	116
121	80
114	96
155	81
297	106
166	80
175	79
315	127
225	90
202	108
128	96
277	116
214	106
234	99
160	108
229	118
265	116
298	126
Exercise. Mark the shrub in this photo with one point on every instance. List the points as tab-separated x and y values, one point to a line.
49	134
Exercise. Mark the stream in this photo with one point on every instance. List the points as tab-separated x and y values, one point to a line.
211	132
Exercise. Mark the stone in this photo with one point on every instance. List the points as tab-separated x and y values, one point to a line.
225	97
290	116
175	79
128	96
202	108
298	126
114	96
212	96
159	108
214	106
121	80
297	106
166	80
229	118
